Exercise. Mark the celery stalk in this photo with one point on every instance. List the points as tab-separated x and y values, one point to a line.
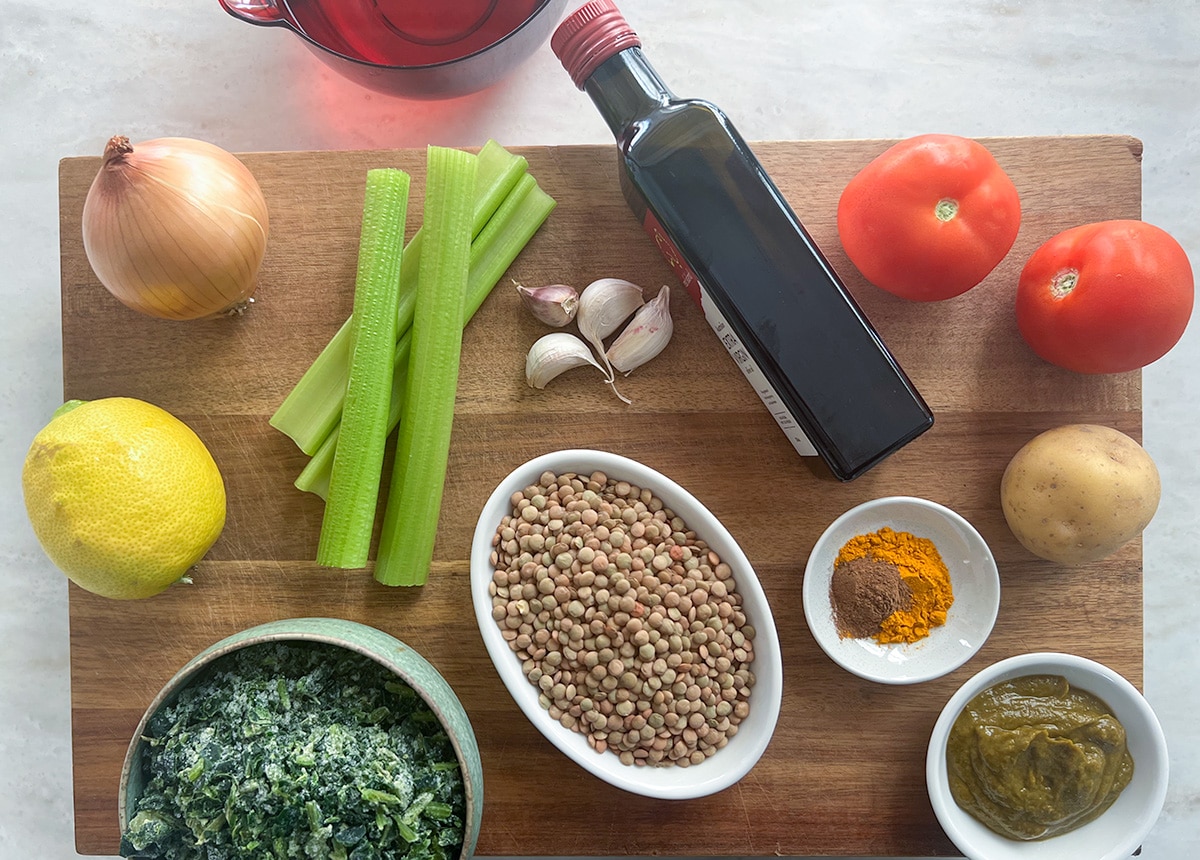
423	444
314	477
358	459
321	386
504	173
498	173
311	410
505	236
514	224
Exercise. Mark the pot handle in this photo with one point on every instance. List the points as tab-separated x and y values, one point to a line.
262	12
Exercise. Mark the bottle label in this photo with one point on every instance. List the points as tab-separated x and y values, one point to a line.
729	338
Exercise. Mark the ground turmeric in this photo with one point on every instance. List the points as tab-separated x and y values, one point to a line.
921	567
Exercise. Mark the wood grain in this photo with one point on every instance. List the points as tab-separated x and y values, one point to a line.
844	771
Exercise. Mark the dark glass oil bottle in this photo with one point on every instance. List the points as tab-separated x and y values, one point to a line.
766	289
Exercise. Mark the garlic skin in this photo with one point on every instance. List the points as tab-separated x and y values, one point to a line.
554	304
554	354
647	334
603	306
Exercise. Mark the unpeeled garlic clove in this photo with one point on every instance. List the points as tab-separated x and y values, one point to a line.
554	354
603	306
554	304
646	335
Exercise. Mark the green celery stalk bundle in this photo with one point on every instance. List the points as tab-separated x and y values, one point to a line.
492	252
478	219
312	409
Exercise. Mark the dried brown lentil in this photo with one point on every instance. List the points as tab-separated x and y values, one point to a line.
629	625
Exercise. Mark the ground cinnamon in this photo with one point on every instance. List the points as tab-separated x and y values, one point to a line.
864	592
922	569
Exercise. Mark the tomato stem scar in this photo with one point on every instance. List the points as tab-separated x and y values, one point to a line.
1063	282
946	209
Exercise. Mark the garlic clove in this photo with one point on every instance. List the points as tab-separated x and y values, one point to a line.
646	335
556	353
603	306
554	304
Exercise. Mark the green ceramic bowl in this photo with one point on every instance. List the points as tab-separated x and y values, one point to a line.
407	664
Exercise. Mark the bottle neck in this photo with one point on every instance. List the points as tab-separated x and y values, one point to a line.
625	87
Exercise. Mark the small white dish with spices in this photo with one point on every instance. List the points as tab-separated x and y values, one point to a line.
627	624
886	614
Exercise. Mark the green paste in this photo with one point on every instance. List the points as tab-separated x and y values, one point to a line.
1033	758
297	750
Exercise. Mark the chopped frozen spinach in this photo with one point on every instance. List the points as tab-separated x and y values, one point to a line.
297	750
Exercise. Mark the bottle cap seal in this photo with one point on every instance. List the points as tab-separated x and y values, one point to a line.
589	36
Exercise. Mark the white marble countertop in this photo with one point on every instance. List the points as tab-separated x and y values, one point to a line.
72	74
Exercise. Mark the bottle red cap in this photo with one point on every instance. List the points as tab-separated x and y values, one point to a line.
589	36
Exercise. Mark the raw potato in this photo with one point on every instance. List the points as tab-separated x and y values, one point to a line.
1076	493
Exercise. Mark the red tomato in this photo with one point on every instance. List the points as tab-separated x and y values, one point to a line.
930	217
1106	297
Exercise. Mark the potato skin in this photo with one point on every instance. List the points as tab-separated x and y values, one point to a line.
1076	493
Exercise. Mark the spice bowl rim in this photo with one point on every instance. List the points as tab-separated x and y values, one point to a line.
398	657
1118	831
977	596
727	765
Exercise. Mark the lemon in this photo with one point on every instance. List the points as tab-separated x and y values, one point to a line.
122	495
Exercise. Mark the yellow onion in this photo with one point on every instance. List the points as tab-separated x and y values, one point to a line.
175	228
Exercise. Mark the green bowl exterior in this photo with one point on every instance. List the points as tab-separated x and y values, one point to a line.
382	647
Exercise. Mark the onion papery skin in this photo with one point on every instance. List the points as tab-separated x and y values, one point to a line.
175	228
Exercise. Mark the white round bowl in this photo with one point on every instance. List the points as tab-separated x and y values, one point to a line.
1115	834
973	576
724	767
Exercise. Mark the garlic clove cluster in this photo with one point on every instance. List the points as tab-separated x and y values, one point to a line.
602	308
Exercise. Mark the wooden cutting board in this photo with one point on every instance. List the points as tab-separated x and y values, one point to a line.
844	773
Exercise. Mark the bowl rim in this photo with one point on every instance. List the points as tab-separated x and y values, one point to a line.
543	6
947	811
768	671
307	629
989	569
